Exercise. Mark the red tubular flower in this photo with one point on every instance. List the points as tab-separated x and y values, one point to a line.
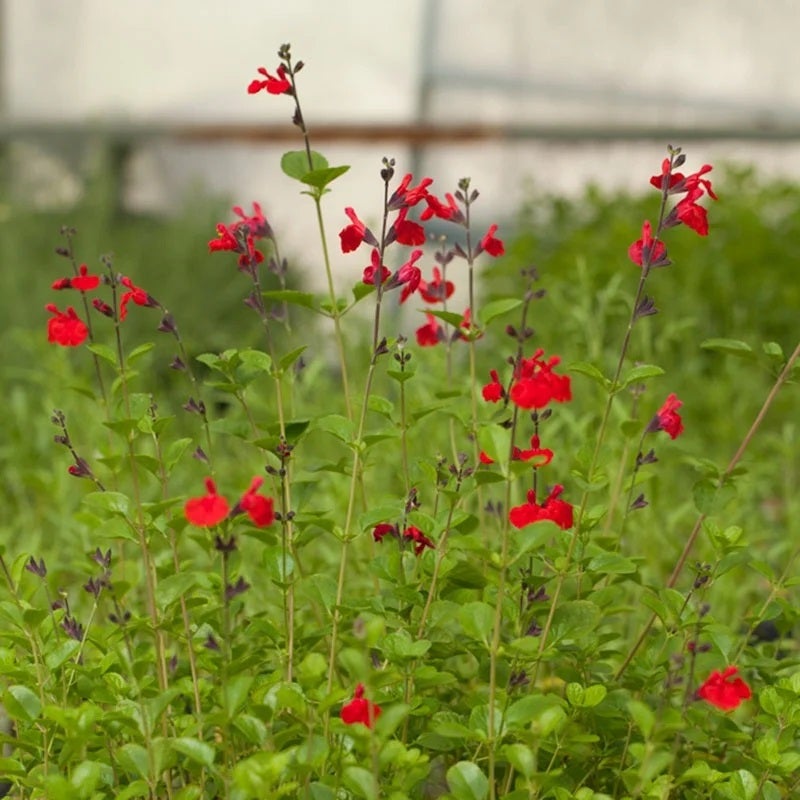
383	529
436	208
431	333
359	709
409	276
417	536
139	296
543	455
691	214
535	384
493	392
271	84
724	691
405	231
66	327
667	418
645	251
355	233
553	509
405	196
375	268
258	507
490	244
83	282
208	510
437	290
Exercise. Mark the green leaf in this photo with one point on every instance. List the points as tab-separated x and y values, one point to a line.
320	178
361	782
640	373
643	716
295	163
139	351
22	703
133	759
337	425
477	620
733	347
466	781
62	653
521	758
590	371
286	361
450	317
103	351
497	308
115	502
293	297
199	752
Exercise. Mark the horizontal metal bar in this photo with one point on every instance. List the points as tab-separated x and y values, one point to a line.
431	134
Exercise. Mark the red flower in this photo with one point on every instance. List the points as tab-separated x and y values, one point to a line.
359	709
404	231
724	691
66	327
409	276
374	268
83	282
355	233
691	214
553	509
449	211
258	507
490	244
431	333
437	290
667	419
273	85
403	196
493	392
139	296
416	535
382	530
543	455
645	251
239	237
535	384
208	510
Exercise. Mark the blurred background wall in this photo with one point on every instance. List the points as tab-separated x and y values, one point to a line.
515	93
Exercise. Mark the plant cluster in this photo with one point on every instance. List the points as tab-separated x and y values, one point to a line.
434	583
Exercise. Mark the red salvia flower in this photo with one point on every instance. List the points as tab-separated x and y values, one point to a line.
495	391
553	509
543	456
420	539
403	196
383	529
536	385
359	709
645	250
409	276
491	244
139	296
83	282
208	510
271	84
691	214
258	507
356	232
436	208
724	691
375	268
65	327
104	308
430	333
405	231
436	290
667	418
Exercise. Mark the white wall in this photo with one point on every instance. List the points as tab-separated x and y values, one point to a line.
587	62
